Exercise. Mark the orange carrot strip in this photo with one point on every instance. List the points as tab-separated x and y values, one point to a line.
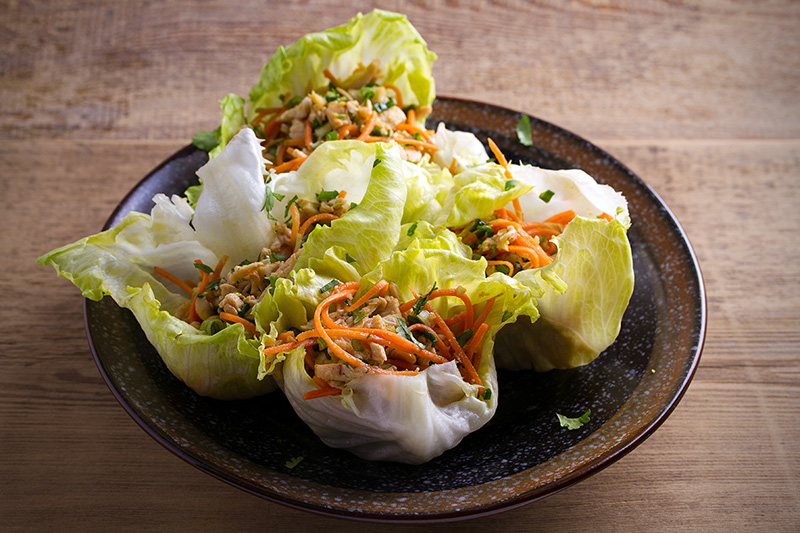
294	164
319	217
280	154
487	308
327	74
500	157
605	216
228	317
218	269
413	142
453	164
506	214
517	208
400	363
368	127
528	252
476	339
459	351
321	393
539	228
384	338
562	218
412	117
341	194
193	316
412	128
381	287
307	130
174	279
397	96
440	343
346	131
508	265
332	346
470	316
456	319
295	225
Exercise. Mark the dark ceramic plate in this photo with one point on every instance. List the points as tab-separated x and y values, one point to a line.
521	455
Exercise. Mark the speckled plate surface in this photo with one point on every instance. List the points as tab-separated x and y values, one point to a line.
521	455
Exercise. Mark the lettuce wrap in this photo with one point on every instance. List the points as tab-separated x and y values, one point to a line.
583	263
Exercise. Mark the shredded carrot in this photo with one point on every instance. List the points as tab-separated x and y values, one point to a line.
321	393
528	252
606	217
174	279
411	117
279	155
383	337
368	127
327	74
563	218
263	112
539	228
294	164
517	209
228	317
397	96
310	334
456	319
487	308
506	214
476	339
341	194
459	351
273	126
508	265
381	287
319	217
218	269
335	296
299	141
346	131
453	164
193	316
295	225
440	343
413	128
500	158
399	140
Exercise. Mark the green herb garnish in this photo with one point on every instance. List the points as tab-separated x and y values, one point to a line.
546	196
328	286
574	423
524	131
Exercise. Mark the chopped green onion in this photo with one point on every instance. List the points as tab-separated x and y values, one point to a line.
546	196
524	131
330	285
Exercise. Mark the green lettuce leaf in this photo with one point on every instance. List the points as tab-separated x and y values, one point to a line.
233	118
379	36
576	325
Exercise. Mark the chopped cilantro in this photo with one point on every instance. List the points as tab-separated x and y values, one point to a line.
293	462
325	196
412	229
546	196
574	423
403	331
269	201
524	131
203	268
288	205
419	305
464	337
294	101
328	286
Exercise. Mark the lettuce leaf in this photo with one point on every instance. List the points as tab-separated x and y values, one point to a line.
586	290
120	262
379	36
575	326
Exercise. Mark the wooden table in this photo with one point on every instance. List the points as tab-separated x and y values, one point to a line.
700	99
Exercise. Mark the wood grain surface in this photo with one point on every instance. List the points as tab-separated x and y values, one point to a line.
700	99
